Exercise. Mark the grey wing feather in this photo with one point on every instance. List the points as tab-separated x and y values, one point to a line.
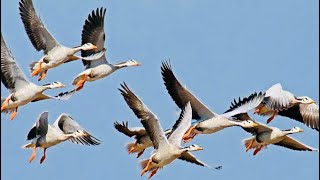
40	128
67	125
93	32
11	75
37	32
244	105
304	113
149	121
123	128
277	99
181	95
291	143
187	156
181	126
61	96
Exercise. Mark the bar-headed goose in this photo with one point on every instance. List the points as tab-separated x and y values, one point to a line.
281	102
55	53
167	149
264	135
142	142
64	128
93	32
22	90
207	121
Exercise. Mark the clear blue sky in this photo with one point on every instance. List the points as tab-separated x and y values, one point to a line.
219	49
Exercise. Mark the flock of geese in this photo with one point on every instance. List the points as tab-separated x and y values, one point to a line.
166	143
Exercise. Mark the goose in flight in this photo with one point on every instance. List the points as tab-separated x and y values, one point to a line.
281	102
64	128
207	121
93	32
142	142
55	54
264	135
167	149
22	91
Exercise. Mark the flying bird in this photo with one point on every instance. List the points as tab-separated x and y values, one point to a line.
64	128
142	142
264	135
22	91
93	32
167	149
55	54
207	121
281	102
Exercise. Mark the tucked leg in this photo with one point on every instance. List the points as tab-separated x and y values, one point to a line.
257	150
14	113
189	138
80	84
133	147
146	168
44	156
33	155
140	153
153	173
42	75
250	145
6	102
188	132
272	117
37	71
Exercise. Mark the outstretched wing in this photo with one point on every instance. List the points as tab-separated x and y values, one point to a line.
68	126
123	128
149	121
11	75
181	95
38	34
304	113
93	32
291	143
40	128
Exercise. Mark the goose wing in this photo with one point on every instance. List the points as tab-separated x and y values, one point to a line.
61	96
291	143
40	128
67	125
276	98
93	32
38	34
243	106
181	126
149	120
187	156
11	75
181	95
304	113
123	128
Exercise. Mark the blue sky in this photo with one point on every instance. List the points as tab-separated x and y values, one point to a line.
219	49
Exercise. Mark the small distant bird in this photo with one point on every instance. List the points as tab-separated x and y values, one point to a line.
280	102
64	128
142	142
167	149
22	90
55	53
264	135
207	121
93	32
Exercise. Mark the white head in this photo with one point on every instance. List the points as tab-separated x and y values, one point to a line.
305	100
193	147
248	124
55	84
133	62
88	46
296	130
